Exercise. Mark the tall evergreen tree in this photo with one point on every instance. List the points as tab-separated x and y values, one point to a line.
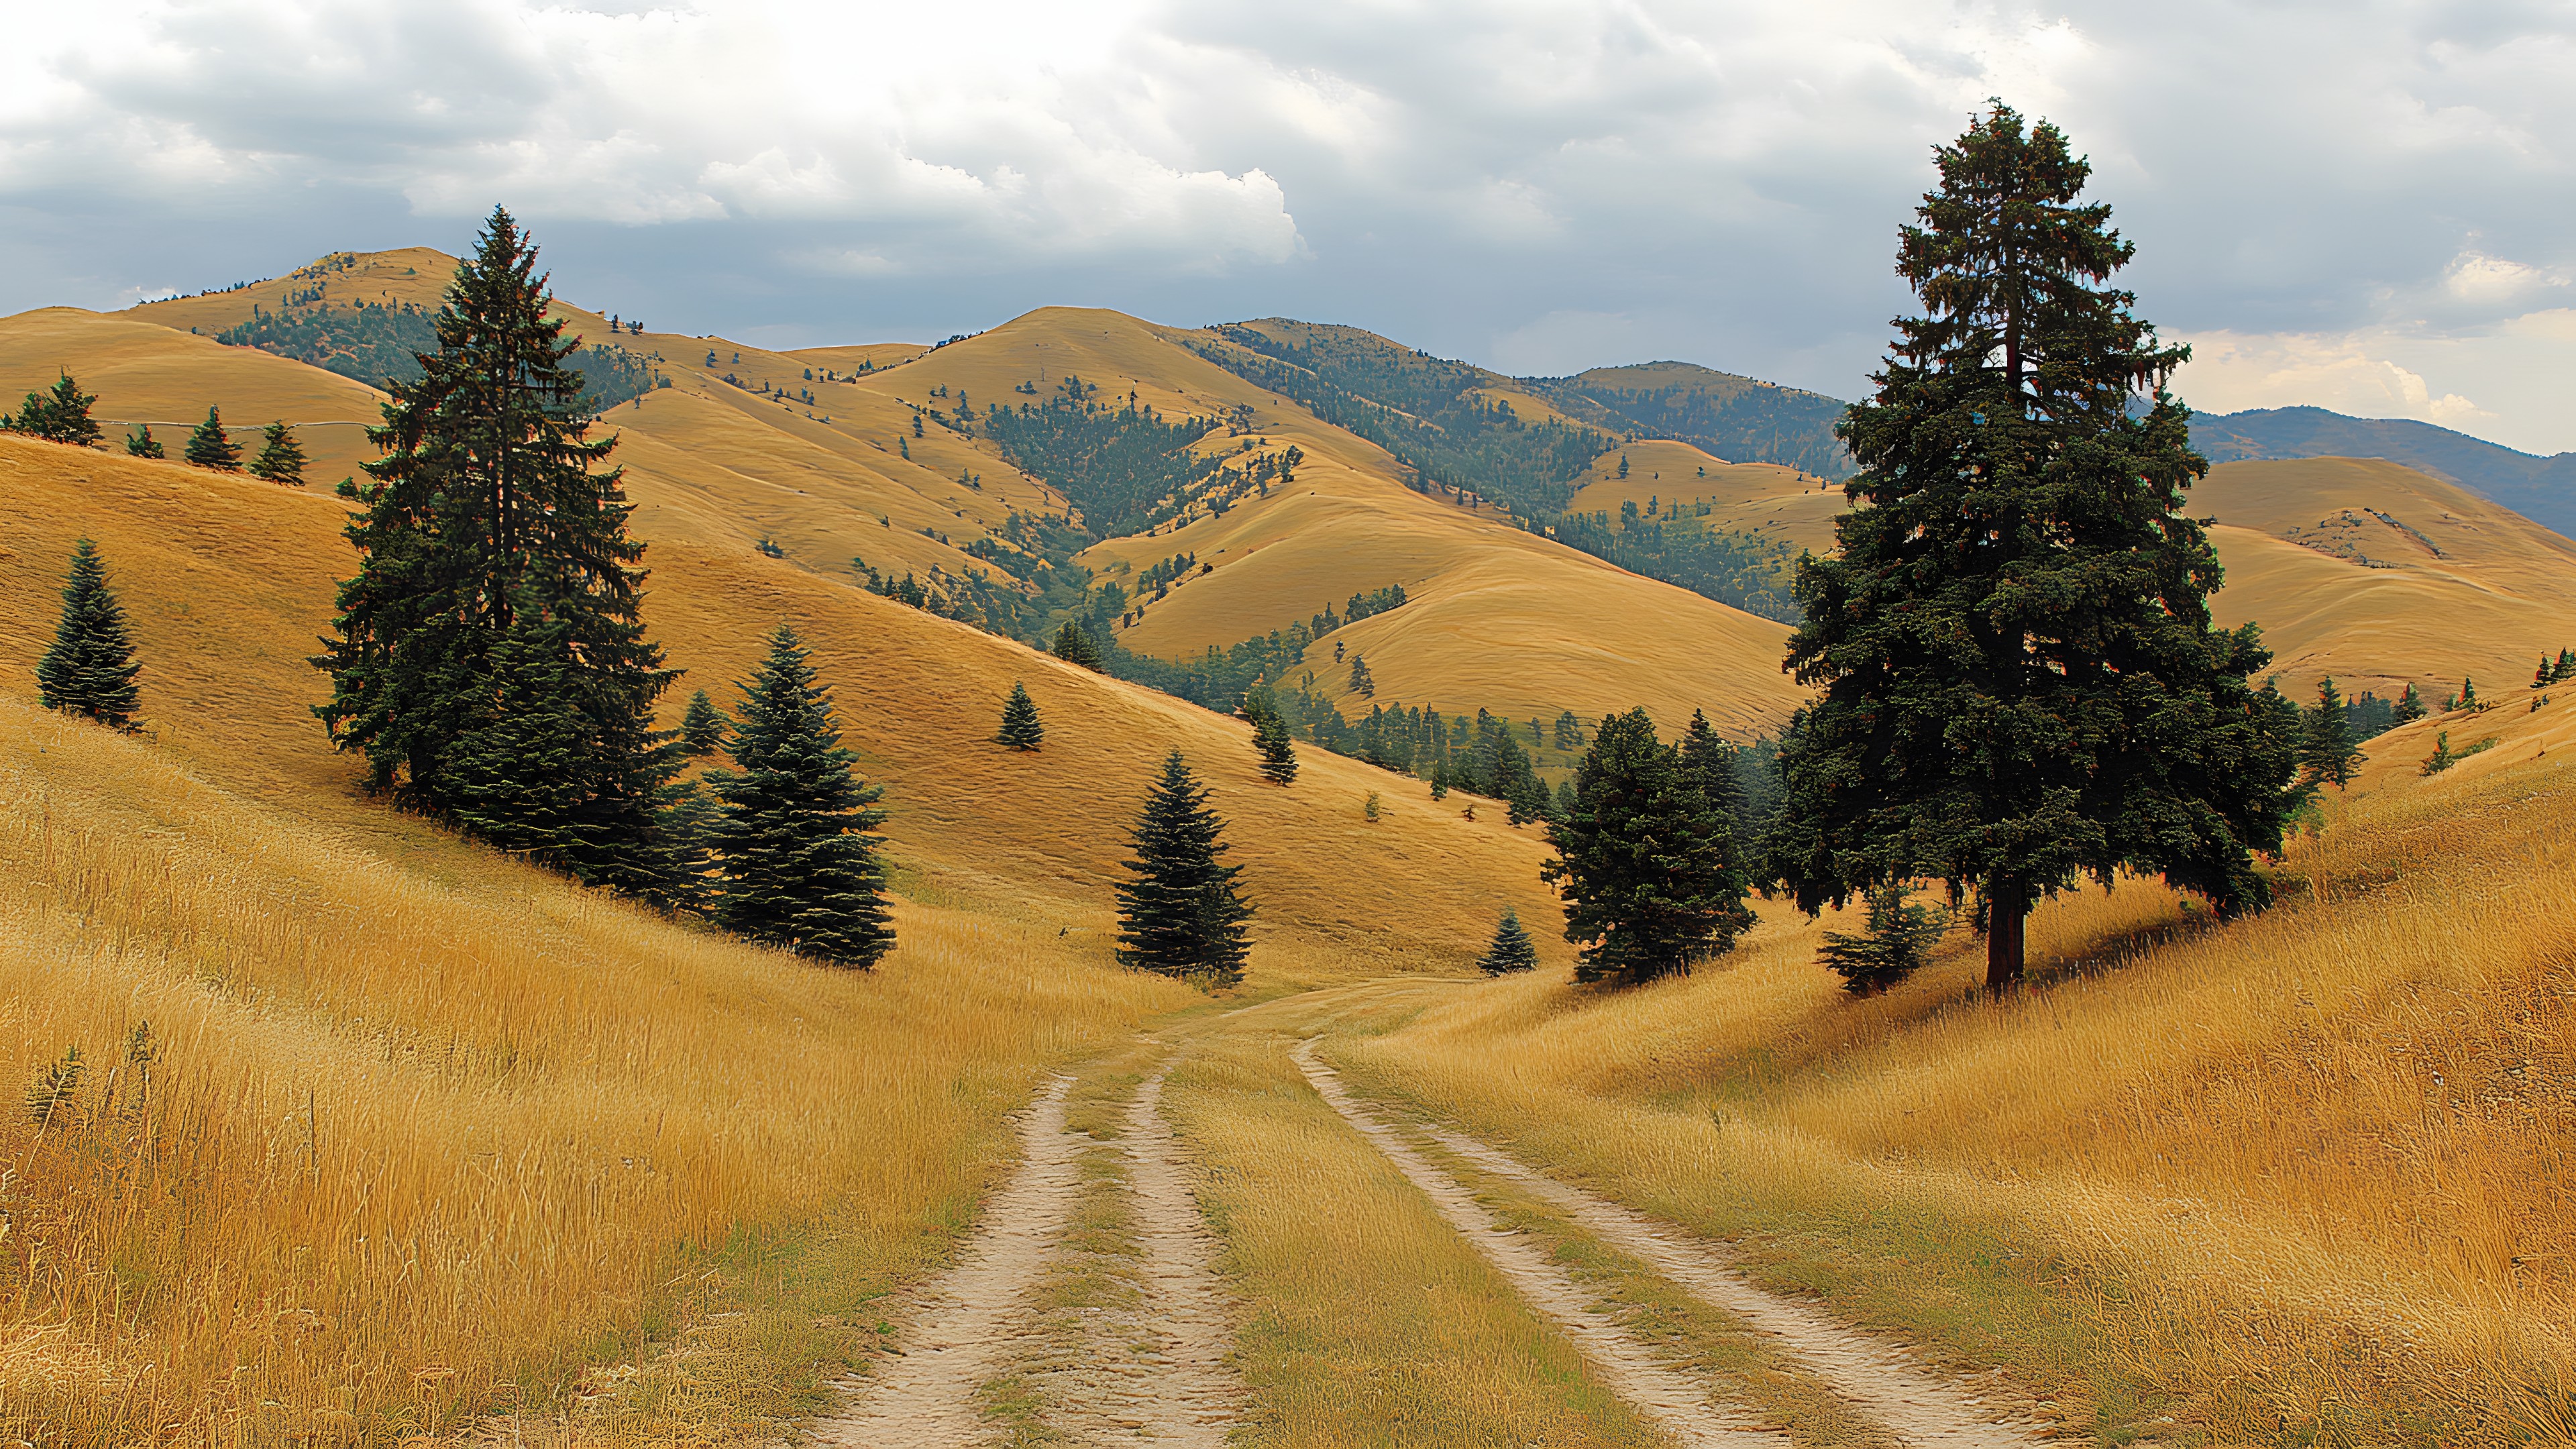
1643	861
1512	950
1270	740
1021	728
1362	682
2020	683
141	444
2326	753
1182	915
90	669
281	457
491	496
702	729
1710	761
209	446
1073	646
799	867
60	415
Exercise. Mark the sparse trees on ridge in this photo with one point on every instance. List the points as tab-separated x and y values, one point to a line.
209	446
1182	915
799	867
59	415
1021	728
2019	680
492	499
1644	861
1512	949
90	669
281	457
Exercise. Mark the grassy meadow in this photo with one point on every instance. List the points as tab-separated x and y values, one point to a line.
2294	1179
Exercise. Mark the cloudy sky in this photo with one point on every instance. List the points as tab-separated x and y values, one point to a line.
2362	205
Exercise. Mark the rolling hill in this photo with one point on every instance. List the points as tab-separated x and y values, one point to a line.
2541	489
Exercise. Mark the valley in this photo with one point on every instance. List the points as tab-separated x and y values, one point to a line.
362	1132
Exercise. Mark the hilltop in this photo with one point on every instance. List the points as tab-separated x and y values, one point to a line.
2541	489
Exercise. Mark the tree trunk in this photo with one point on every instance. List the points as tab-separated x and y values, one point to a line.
2007	911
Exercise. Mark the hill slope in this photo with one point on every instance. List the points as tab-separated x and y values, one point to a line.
2541	489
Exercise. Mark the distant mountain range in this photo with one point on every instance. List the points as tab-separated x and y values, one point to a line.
2540	489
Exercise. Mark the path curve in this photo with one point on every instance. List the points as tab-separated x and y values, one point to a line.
1676	1401
926	1398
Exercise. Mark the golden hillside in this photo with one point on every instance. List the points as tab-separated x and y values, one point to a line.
1777	502
732	453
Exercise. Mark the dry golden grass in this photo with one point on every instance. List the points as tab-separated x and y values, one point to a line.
2299	1172
416	1141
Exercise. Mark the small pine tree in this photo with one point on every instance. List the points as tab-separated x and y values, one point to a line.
1898	937
800	868
703	728
56	1088
2410	707
90	669
1512	950
281	458
1362	682
2326	754
59	416
1182	915
209	446
2468	692
1021	728
1278	752
141	444
1073	646
1623	465
2441	759
2565	668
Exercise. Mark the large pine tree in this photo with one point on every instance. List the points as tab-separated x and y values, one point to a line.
491	492
2020	683
90	669
1182	915
800	868
209	446
60	415
1644	861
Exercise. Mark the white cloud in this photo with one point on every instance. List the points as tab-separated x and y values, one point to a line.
2364	203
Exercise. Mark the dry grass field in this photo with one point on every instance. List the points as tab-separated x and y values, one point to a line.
2294	1179
430	1133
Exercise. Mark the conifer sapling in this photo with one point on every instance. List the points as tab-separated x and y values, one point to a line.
1021	728
209	446
141	444
90	669
1512	949
702	729
281	457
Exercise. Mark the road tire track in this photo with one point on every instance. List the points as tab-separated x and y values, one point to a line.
1678	1402
973	1314
1197	1394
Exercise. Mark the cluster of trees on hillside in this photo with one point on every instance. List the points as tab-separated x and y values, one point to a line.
1126	468
1746	570
383	343
61	414
1750	423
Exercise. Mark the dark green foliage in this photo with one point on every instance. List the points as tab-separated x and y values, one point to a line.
2368	716
1710	762
489	505
1744	570
1362	682
281	457
2326	753
703	728
1373	603
1899	936
1733	417
209	446
1270	738
141	444
60	415
90	669
1430	413
383	344
1512	949
1182	915
1127	470
799	868
2410	707
2019	680
514	778
56	1088
1021	729
1646	864
1569	731
1074	646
